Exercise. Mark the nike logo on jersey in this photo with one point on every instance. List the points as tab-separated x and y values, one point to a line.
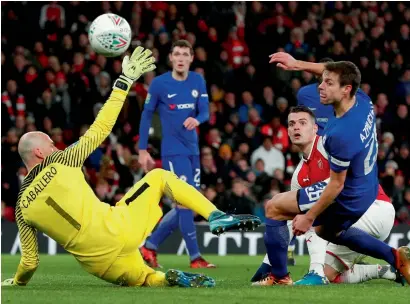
171	95
306	179
312	109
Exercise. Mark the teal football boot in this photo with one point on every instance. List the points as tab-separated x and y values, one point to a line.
220	222
312	278
186	279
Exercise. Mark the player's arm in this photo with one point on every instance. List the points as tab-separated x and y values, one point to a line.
203	103
150	106
132	68
288	63
203	108
29	251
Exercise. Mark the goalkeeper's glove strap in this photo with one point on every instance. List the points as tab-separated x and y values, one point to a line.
123	83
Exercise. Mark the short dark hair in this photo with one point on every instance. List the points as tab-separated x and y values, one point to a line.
323	60
183	44
304	109
349	74
326	59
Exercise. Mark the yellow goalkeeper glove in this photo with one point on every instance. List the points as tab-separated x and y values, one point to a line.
133	67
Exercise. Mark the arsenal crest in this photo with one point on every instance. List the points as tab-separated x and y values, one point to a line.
320	164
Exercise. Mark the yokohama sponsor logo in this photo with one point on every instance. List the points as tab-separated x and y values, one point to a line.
183	106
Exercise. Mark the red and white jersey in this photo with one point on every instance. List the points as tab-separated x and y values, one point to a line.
312	170
316	168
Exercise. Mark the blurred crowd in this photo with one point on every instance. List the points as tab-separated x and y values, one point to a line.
53	81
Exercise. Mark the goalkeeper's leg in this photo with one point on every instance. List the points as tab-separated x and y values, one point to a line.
147	193
130	270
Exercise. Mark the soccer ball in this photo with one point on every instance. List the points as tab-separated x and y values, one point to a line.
110	35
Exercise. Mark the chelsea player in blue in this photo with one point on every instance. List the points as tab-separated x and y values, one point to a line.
350	141
181	99
309	96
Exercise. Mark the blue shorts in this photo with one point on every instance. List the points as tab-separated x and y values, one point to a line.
187	168
335	217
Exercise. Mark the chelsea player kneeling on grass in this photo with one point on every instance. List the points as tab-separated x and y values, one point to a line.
351	145
328	262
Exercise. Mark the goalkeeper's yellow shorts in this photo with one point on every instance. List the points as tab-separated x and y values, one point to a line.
140	207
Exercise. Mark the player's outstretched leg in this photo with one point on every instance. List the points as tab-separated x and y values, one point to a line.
186	195
188	231
364	273
186	279
360	241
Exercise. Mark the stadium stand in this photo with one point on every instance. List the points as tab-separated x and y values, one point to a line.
51	80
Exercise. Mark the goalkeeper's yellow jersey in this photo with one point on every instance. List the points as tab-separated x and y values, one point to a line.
56	200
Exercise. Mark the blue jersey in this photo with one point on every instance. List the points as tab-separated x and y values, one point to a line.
309	96
351	144
175	101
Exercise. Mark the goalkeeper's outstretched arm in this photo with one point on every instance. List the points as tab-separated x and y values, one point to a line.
139	63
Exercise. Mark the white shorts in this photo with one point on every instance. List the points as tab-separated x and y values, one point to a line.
377	221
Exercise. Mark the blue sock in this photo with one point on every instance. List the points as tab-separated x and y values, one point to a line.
361	242
261	272
277	242
168	224
188	230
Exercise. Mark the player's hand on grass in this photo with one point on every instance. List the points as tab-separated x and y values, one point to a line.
146	161
301	224
7	282
191	123
284	61
140	62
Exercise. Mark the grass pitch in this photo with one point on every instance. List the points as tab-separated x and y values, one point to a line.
60	279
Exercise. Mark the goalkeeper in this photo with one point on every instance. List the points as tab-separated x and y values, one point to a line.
56	200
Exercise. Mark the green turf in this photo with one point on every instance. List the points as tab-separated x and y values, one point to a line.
59	279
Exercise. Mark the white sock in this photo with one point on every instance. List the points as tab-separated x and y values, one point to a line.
317	252
266	260
363	273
